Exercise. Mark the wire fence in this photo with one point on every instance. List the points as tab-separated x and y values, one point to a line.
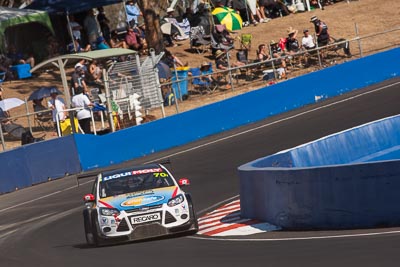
140	76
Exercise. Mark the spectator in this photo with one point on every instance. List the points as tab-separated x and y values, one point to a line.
321	30
132	40
115	42
132	13
292	44
57	105
101	43
221	61
277	53
307	41
170	59
78	80
1	93
18	57
81	101
76	28
141	35
75	47
104	24
263	55
95	72
274	8
91	27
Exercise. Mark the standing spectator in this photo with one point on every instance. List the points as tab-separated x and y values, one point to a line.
321	30
80	100
91	27
104	24
76	28
78	80
57	106
132	13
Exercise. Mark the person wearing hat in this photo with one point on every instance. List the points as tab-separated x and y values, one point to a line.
321	30
116	42
292	44
276	52
132	13
221	61
57	106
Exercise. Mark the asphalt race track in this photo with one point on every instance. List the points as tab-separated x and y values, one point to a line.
42	225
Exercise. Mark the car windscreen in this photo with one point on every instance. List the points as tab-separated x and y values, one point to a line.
124	183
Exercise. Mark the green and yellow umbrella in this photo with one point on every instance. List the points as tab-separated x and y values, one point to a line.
229	17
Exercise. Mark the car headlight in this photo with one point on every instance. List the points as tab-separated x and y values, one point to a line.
175	201
109	212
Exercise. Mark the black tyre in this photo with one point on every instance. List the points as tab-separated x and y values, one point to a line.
195	224
87	222
97	240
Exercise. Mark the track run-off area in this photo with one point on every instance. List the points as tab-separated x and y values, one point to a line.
43	226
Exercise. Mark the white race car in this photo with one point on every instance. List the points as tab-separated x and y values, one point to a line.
137	203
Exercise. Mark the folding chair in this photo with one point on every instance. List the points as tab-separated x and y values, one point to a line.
245	41
44	120
199	41
201	83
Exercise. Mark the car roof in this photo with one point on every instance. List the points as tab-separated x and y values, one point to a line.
132	168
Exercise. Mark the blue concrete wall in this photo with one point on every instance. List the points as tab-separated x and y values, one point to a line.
36	163
237	111
89	152
328	184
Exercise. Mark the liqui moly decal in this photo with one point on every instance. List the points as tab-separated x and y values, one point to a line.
143	200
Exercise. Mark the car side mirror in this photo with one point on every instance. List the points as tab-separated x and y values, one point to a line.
88	198
184	182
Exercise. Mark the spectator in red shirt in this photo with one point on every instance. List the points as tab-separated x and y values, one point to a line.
132	40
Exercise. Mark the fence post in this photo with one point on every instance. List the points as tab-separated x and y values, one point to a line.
358	39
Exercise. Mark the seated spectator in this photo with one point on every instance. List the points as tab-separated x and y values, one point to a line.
263	55
171	59
95	72
132	40
75	47
53	47
101	43
277	53
221	61
18	57
274	8
307	41
243	56
206	71
222	35
115	42
140	31
292	44
38	106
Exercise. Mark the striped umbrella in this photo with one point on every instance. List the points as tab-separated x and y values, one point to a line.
229	17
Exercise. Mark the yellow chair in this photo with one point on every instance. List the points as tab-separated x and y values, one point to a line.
245	41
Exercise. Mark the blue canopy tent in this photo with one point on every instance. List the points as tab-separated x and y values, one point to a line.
69	6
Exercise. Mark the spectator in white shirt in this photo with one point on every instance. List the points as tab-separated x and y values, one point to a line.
80	100
307	41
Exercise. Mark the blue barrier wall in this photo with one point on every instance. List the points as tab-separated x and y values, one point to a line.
305	187
88	152
237	111
36	163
